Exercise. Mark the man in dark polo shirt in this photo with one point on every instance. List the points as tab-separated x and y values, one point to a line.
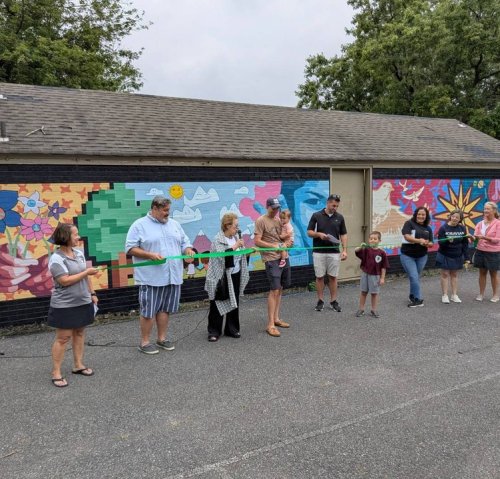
327	228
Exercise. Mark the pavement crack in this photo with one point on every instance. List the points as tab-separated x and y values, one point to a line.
218	466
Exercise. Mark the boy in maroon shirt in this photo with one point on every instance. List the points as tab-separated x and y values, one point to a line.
374	265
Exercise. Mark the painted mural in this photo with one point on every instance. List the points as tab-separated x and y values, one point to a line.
104	212
395	200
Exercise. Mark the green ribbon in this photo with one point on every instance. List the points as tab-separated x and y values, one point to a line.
247	251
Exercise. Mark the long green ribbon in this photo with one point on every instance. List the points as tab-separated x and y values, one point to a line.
246	251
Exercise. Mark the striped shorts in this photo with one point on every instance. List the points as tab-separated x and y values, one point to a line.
155	299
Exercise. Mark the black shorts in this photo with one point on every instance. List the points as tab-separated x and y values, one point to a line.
278	277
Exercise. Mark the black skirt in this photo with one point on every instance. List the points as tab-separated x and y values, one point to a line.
448	263
71	318
489	260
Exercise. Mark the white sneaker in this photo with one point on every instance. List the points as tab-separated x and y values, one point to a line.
495	299
455	298
479	297
445	299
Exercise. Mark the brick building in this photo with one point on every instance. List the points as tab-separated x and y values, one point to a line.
97	158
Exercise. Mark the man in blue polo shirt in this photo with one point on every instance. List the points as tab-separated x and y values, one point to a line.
327	229
154	237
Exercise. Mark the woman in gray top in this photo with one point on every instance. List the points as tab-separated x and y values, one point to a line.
72	302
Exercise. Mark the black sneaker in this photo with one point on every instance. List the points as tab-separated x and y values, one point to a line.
411	298
320	305
416	303
335	306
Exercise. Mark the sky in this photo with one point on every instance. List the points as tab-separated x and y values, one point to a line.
246	51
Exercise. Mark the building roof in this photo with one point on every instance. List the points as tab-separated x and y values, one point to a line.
60	121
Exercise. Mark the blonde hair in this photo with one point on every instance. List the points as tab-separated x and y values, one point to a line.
227	220
285	214
494	206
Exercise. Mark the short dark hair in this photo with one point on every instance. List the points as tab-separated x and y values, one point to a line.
376	233
427	215
333	198
62	234
160	201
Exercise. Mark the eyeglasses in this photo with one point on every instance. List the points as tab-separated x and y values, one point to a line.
334	198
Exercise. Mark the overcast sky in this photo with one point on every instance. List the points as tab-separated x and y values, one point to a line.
249	51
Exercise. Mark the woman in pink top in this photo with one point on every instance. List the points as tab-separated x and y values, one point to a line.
487	256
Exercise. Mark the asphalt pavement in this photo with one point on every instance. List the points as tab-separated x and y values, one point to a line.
413	394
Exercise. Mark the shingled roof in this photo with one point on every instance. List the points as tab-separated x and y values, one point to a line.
59	121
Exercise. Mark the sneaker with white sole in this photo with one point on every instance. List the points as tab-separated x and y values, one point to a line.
359	313
166	345
454	298
445	299
495	299
320	305
418	303
479	297
148	349
335	306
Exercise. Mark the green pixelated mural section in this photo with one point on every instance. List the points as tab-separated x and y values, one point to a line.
107	219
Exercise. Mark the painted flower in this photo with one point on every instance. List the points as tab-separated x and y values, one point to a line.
32	203
36	228
55	210
8	200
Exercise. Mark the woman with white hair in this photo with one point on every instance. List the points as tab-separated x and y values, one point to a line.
233	271
487	255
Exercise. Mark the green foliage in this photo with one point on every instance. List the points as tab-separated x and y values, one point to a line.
70	43
437	58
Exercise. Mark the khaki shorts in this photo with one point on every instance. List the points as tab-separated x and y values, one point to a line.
326	263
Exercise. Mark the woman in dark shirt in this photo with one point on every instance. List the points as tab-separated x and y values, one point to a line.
453	243
417	236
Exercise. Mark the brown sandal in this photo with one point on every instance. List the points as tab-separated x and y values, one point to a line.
272	331
281	324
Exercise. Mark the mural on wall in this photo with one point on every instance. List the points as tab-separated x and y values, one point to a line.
103	213
395	200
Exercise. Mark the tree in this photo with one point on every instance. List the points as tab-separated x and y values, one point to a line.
437	58
70	43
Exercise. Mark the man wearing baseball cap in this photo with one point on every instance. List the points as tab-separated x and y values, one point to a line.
267	235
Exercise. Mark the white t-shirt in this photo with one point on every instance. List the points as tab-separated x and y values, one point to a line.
237	258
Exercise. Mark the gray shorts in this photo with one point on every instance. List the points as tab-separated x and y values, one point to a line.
326	263
278	277
159	299
370	283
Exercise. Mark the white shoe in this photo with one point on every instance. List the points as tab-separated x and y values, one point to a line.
455	298
479	297
495	299
445	299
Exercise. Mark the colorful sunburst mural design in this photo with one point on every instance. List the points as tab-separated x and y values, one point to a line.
463	203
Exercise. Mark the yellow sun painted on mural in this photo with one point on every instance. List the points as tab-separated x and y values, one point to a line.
462	202
176	191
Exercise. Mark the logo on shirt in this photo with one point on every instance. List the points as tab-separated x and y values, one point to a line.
378	258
